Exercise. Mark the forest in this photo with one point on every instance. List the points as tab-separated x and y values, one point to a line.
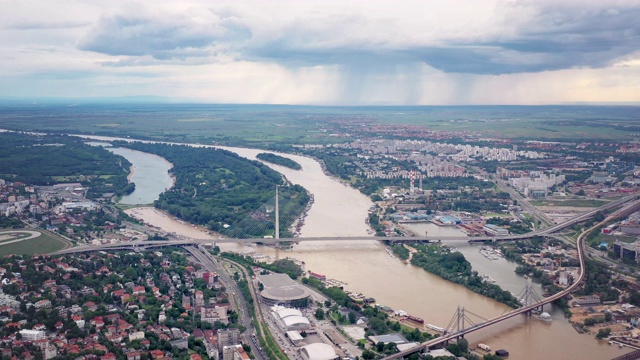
51	159
453	266
279	160
599	280
281	266
225	192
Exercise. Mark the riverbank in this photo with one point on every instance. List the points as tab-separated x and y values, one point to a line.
132	171
459	270
453	266
149	169
340	210
168	223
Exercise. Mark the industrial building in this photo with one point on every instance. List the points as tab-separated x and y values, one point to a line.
449	220
437	353
493	230
630	229
86	205
587	301
388	338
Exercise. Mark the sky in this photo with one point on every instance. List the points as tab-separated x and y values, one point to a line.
324	52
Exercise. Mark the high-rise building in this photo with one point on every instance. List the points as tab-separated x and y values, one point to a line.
227	337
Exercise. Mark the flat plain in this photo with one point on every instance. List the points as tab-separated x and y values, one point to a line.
262	125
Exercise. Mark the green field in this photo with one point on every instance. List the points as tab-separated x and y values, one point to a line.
43	244
272	125
610	239
521	122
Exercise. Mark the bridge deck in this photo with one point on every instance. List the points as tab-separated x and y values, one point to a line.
447	337
513	237
581	255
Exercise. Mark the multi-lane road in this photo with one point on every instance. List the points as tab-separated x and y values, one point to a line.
235	297
211	263
582	253
513	237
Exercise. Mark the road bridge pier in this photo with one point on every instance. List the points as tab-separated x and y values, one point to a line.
460	330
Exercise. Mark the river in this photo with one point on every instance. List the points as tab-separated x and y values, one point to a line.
152	175
367	268
149	170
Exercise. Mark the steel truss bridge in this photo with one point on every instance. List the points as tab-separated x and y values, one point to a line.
458	332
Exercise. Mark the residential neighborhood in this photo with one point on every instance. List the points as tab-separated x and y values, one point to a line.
108	306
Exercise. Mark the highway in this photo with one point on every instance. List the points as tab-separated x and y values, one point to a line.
235	297
523	203
209	261
581	256
189	241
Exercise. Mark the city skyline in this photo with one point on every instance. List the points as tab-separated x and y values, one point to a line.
324	53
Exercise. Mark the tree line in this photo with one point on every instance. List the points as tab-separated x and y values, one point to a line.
51	159
279	160
225	192
453	266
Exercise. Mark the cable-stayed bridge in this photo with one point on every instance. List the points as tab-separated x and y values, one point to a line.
181	241
527	309
531	304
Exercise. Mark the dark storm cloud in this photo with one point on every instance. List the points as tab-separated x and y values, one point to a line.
162	36
553	38
525	36
558	37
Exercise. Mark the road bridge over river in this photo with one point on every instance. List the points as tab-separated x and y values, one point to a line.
581	245
629	208
182	241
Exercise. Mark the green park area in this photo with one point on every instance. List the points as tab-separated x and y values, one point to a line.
610	239
46	242
47	160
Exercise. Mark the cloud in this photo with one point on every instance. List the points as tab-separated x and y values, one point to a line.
330	51
135	61
137	31
564	35
44	25
515	37
532	37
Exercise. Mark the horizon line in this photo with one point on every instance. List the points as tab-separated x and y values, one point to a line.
152	99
